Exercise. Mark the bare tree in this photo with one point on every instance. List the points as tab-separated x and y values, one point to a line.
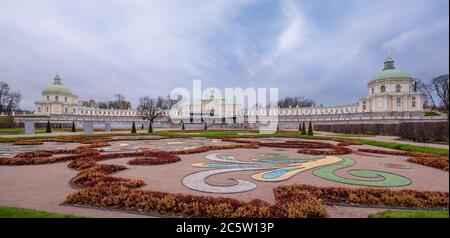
151	108
9	100
427	92
440	86
296	101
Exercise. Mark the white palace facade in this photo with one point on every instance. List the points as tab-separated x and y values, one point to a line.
390	90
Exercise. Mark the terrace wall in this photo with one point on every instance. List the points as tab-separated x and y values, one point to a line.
417	131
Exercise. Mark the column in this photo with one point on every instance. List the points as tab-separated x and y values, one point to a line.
107	126
29	127
88	127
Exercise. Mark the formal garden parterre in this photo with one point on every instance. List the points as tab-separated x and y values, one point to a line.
236	177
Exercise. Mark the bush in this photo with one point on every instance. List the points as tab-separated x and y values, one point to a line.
303	132
310	129
133	128
48	129
74	129
367	196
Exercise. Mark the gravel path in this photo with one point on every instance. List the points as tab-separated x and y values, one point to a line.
44	187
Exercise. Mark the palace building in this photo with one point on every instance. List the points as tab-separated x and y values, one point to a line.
391	90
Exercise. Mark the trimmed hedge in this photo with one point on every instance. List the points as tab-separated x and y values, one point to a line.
368	196
416	131
431	160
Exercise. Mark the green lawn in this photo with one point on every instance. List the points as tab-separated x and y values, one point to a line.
413	148
351	135
410	214
13	212
431	114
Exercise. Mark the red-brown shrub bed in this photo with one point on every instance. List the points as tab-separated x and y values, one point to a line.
335	150
98	175
431	160
154	160
28	142
34	154
368	196
149	202
304	204
46	157
83	163
438	162
305	147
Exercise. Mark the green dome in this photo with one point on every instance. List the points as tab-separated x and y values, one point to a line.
57	87
391	73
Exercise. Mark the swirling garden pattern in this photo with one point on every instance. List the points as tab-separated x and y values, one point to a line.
279	167
387	179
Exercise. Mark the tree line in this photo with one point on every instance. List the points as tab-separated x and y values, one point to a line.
119	102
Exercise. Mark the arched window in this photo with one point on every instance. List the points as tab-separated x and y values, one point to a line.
65	99
56	98
383	89
398	88
373	90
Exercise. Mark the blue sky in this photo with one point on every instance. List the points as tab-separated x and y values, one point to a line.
326	50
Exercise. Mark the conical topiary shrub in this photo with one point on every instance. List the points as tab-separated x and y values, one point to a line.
133	128
74	129
142	126
150	127
310	130
182	126
303	129
48	129
206	126
300	127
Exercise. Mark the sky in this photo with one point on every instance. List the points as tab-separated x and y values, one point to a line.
326	50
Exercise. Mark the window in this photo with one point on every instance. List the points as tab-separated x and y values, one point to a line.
65	99
46	109
398	88
65	110
364	105
398	102
383	89
56	98
413	102
74	110
373	90
48	98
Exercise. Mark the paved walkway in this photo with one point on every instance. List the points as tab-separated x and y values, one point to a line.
393	139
